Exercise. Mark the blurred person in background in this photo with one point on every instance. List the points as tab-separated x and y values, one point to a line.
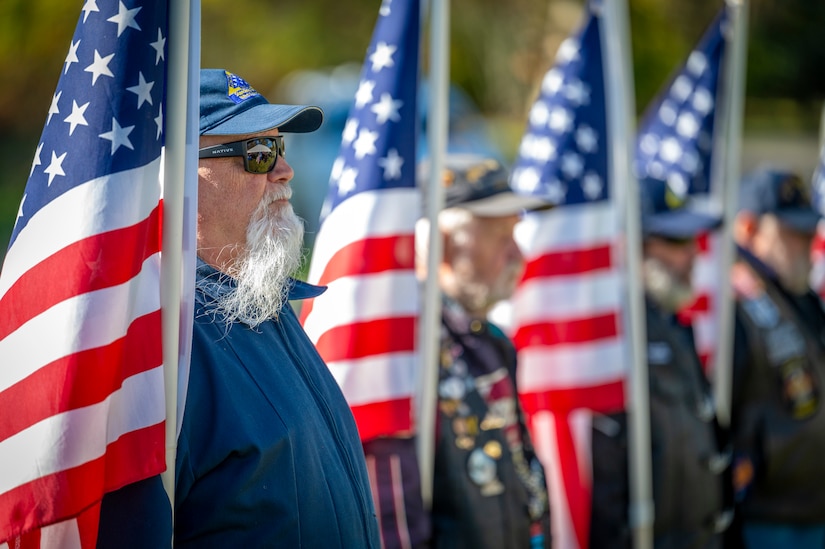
687	476
778	424
489	488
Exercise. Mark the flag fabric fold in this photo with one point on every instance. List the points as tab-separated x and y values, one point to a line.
81	380
566	312
676	144
364	324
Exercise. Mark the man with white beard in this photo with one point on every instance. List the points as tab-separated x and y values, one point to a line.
268	454
689	495
489	489
778	423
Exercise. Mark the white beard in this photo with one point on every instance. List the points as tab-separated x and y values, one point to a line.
478	297
274	252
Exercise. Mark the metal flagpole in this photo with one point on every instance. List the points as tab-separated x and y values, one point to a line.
727	179
621	129
430	319
183	50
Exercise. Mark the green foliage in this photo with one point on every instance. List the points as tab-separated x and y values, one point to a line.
499	52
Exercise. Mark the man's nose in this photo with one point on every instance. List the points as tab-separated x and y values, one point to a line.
282	172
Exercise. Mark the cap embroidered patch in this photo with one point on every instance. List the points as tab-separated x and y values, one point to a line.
238	89
675	193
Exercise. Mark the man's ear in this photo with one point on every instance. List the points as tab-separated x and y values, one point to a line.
745	226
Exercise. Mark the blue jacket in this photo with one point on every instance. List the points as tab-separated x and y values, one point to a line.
268	455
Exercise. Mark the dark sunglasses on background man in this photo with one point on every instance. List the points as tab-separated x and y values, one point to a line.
260	154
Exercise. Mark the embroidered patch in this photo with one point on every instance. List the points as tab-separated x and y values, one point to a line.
659	352
799	388
742	475
481	469
784	342
238	89
761	311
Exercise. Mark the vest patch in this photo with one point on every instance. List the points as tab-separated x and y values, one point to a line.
799	388
784	342
761	311
659	352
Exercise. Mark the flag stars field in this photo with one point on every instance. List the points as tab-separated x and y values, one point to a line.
143	90
20	209
53	108
387	109
552	81
88	7
125	18
382	58
363	96
350	131
556	191
55	167
159	122
76	118
577	93
119	136
36	161
365	144
71	57
392	164
158	45
347	182
587	139
100	67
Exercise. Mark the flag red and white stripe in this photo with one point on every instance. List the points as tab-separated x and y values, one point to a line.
364	325
81	380
567	320
568	331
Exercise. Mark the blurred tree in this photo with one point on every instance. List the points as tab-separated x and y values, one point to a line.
34	40
500	51
787	50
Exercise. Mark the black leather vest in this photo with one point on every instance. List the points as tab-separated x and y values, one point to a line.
778	420
687	464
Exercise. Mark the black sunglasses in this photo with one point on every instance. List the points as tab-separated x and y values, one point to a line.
260	154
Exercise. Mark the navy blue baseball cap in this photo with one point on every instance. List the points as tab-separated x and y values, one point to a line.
770	190
667	212
230	106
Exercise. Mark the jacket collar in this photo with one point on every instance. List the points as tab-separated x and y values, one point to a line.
214	284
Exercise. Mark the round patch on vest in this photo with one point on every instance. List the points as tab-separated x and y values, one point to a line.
482	471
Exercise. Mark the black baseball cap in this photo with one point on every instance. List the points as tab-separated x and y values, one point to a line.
481	185
771	190
667	211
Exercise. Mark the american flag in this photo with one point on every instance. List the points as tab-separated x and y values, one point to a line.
81	381
676	143
364	325
567	308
